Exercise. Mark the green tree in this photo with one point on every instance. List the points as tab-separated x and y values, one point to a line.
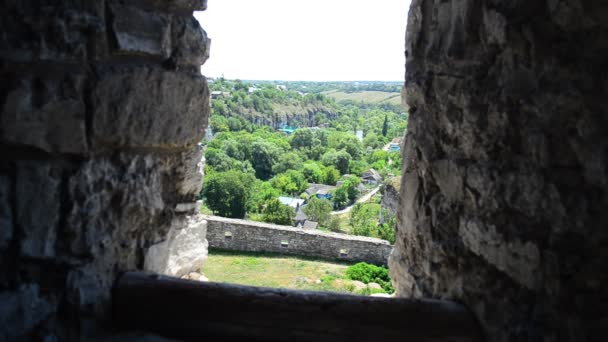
330	175
264	155
278	213
385	125
318	210
340	160
261	192
287	161
312	172
290	182
364	219
227	193
340	197
218	123
302	138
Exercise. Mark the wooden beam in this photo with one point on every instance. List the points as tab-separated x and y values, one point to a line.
197	311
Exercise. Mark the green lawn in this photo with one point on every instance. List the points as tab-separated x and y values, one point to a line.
273	270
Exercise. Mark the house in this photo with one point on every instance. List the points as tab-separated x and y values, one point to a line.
320	190
310	225
217	94
292	202
300	217
371	177
395	145
301	220
323	194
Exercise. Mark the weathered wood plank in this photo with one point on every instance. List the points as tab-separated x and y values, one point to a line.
204	310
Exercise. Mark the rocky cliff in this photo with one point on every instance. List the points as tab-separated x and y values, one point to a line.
101	108
505	187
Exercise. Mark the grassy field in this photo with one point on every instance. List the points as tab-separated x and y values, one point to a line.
366	96
273	270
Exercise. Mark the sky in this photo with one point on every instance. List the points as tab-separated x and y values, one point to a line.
312	40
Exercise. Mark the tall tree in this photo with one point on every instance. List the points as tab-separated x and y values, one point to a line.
385	125
278	213
226	193
318	210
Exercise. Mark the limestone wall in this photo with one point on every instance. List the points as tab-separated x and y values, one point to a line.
505	187
241	235
101	108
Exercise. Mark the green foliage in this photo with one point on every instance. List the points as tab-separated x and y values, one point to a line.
278	213
227	193
318	210
288	161
302	138
290	182
338	159
264	156
313	172
334	224
330	175
340	197
368	273
385	126
261	193
358	167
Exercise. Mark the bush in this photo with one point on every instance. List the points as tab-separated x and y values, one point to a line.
368	273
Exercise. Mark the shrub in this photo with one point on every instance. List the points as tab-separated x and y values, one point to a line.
368	273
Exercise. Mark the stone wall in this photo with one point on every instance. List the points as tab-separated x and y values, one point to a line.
101	108
505	187
390	195
241	235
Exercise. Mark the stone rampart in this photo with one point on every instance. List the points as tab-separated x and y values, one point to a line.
242	235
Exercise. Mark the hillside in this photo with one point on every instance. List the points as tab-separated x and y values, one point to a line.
375	97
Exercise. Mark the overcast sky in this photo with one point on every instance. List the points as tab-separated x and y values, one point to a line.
313	40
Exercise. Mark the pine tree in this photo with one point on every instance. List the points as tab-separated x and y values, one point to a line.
385	125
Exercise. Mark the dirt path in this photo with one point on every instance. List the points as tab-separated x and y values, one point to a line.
365	198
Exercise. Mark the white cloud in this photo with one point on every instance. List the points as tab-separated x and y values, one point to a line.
306	40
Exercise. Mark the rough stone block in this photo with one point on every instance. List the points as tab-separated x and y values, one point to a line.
139	32
190	42
38	212
64	31
113	199
6	213
148	107
188	173
184	251
45	112
21	311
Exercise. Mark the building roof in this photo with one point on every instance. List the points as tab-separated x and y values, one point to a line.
316	188
290	201
309	225
300	215
372	174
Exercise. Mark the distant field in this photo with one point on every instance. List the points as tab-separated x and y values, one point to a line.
366	96
272	270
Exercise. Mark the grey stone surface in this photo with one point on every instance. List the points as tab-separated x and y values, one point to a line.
6	213
22	310
263	237
38	186
146	106
30	31
191	45
139	31
390	196
100	114
45	112
184	251
504	189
